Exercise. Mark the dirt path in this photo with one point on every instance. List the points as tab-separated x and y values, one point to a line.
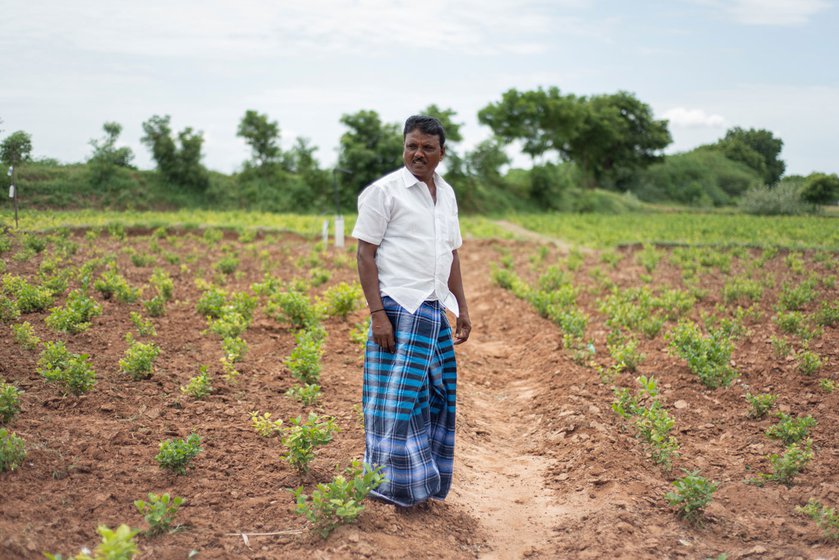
526	234
502	477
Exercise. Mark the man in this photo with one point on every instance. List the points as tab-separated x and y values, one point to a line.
408	236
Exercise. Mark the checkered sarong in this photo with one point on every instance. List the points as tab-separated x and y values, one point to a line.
409	405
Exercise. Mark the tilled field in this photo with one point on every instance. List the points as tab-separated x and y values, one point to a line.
545	468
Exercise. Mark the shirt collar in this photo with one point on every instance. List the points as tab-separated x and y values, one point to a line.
409	179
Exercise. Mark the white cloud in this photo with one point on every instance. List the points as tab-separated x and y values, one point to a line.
218	28
785	13
693	118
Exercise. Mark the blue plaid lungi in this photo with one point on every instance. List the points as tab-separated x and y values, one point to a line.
409	405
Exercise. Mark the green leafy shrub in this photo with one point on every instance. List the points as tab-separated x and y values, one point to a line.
200	385
163	283
211	303
12	450
827	385
144	326
343	299
227	264
234	348
212	236
72	371
139	358
780	346
306	394
25	335
8	310
74	317
787	466
159	512
117	544
828	314
340	501
783	199
319	276
653	422
229	325
742	288
112	284
692	493
9	401
791	430
359	333
808	362
654	425
761	404
141	260
302	437
707	356
264	426
293	308
156	306
117	231
624	350
176	455
795	297
825	517
304	361
34	242
648	257
794	322
29	298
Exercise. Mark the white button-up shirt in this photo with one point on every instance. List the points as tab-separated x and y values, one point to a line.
415	237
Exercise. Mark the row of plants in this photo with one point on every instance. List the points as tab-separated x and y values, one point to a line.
228	314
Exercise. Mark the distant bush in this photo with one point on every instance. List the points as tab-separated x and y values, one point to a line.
820	188
783	199
702	177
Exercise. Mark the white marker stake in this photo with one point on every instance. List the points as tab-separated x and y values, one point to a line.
11	191
325	233
339	231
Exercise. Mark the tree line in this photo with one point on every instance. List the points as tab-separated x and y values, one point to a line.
580	148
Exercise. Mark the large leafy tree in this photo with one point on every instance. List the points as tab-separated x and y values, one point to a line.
368	149
262	135
618	136
757	148
16	148
607	136
179	162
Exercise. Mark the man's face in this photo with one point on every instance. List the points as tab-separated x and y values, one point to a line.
422	153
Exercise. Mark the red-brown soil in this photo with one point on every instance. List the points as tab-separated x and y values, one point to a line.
544	469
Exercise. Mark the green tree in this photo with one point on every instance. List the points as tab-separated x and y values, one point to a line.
178	165
106	156
543	120
368	150
758	149
262	135
821	188
16	148
617	137
609	137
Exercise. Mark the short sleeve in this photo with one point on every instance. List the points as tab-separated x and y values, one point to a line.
373	215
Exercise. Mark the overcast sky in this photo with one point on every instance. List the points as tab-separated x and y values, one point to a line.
706	65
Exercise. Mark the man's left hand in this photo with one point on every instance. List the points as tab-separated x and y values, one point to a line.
464	327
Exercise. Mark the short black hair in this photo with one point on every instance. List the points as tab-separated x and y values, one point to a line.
426	125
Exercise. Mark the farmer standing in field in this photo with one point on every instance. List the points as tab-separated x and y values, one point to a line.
408	236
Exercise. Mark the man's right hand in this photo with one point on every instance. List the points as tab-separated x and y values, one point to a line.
383	332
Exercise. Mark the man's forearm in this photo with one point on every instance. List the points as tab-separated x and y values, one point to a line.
368	274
